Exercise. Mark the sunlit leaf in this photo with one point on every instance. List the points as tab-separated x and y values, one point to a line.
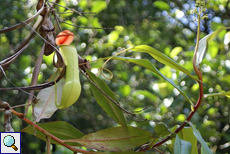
175	51
62	3
146	93
204	42
181	117
112	109
113	36
98	6
204	147
202	50
162	5
24	61
125	90
45	107
159	56
115	139
214	48
147	64
60	129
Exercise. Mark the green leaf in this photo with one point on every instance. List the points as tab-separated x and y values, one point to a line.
113	37
162	5
181	146
216	25
161	130
147	64
125	90
187	135
204	147
112	109
146	93
24	61
115	139
203	44
98	6
227	94
213	48
60	129
162	58
175	51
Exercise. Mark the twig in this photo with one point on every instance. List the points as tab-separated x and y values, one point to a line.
85	27
21	116
8	60
55	16
66	8
23	22
7	116
48	144
158	151
35	77
28	38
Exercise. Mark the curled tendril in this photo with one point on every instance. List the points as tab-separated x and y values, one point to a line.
103	66
101	69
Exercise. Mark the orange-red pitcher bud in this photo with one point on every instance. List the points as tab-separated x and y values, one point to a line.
64	38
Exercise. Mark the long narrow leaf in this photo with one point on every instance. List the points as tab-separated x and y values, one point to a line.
147	64
204	147
60	129
187	135
162	58
203	44
115	139
182	146
112	109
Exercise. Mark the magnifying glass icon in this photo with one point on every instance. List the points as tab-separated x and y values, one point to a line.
9	141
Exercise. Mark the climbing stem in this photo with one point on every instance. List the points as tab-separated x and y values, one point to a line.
196	68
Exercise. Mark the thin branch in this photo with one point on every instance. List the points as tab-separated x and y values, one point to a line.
23	22
66	8
21	116
35	77
8	60
28	38
73	10
7	116
85	27
48	139
55	15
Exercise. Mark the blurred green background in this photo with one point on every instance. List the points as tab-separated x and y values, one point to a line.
167	26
